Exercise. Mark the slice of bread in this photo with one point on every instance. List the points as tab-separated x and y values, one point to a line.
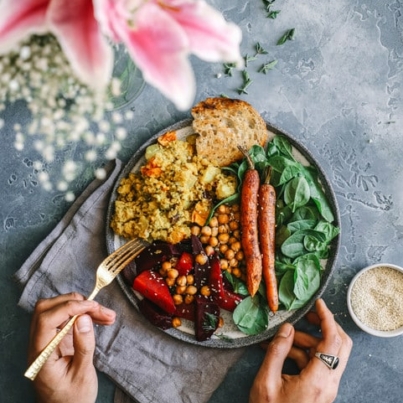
222	124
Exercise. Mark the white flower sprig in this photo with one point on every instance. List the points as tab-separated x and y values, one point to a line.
64	111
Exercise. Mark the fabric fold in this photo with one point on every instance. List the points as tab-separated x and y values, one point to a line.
145	363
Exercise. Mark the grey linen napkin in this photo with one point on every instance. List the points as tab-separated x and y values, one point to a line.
146	364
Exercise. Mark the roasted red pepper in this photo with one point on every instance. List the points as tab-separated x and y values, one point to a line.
225	299
184	264
151	285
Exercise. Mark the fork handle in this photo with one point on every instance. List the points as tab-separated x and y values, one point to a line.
36	366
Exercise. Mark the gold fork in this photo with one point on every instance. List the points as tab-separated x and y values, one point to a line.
106	273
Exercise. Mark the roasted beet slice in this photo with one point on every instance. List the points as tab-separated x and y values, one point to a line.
201	271
186	311
155	254
207	317
225	299
129	273
155	314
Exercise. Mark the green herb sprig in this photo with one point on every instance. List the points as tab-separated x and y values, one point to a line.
268	66
289	35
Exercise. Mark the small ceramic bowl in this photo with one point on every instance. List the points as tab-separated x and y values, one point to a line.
375	299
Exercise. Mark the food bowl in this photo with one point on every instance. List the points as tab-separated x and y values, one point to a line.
375	300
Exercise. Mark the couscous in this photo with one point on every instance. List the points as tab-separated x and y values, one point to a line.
172	190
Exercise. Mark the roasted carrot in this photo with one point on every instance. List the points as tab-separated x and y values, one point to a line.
267	228
249	226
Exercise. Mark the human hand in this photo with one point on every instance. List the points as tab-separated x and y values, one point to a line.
315	383
68	376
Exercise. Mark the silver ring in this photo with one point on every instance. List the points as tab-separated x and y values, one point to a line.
331	361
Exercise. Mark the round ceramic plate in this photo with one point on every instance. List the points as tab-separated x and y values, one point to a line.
229	336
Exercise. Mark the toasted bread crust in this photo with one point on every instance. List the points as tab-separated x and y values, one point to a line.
222	125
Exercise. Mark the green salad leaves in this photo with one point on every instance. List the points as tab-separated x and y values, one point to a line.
304	230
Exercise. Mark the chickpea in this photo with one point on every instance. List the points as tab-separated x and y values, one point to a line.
176	322
190	279
213	241
206	231
237	216
170	282
222	229
223	238
204	239
239	255
237	234
223	248
236	246
205	290
172	273
224	264
209	250
233	225
191	290
201	258
180	289
232	240
181	280
214	231
213	222
223	219
235	208
195	230
189	299
233	262
167	265
229	254
222	209
236	272
178	299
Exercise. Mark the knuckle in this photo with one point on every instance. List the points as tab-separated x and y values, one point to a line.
40	305
76	296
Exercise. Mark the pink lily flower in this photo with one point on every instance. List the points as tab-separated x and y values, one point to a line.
160	35
74	25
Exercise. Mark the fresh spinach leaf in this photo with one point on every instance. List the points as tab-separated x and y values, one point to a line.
238	285
294	245
284	146
328	229
297	193
318	195
306	277
301	225
251	315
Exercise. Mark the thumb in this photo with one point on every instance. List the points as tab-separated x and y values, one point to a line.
277	352
84	342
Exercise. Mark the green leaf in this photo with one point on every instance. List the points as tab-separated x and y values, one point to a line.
251	315
289	35
268	66
273	14
297	192
306	277
294	245
318	195
301	225
284	146
328	229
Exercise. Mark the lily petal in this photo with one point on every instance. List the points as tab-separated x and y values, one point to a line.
74	24
211	37
160	48
19	19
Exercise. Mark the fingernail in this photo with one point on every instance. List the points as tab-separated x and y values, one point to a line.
84	324
285	330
